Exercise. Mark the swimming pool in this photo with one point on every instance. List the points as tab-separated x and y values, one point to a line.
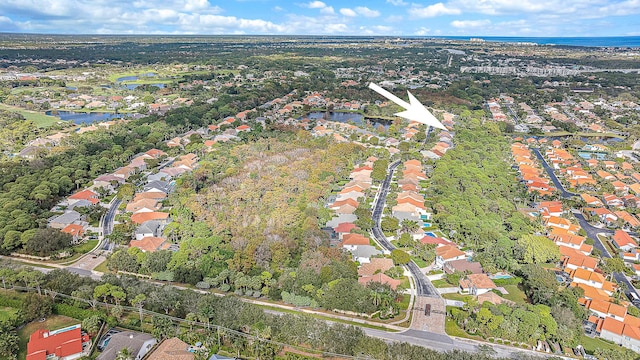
426	224
431	234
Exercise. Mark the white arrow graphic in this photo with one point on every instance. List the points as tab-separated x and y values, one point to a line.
414	109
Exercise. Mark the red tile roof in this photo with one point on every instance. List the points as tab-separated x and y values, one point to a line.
344	227
140	218
61	344
150	244
74	230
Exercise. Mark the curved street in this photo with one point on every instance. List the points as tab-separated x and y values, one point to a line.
565	194
423	285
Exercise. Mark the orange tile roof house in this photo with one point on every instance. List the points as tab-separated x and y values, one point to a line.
158	195
476	284
85	194
375	266
448	253
74	230
591	200
142	217
607	309
62	343
354	240
625	333
622	240
150	244
631	220
381	278
592	293
143	205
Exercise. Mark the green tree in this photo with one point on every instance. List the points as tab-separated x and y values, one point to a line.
92	324
389	224
9	341
537	249
35	306
400	257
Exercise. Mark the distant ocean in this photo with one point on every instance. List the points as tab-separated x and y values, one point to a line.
613	41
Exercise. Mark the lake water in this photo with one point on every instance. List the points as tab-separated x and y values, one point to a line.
345	117
83	117
136	77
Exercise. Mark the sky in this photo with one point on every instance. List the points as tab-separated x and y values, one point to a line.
539	18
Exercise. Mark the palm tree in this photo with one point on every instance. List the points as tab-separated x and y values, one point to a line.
410	226
124	354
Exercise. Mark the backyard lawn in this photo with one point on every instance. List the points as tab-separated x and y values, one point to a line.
515	294
52	323
591	344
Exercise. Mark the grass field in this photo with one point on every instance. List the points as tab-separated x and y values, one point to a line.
52	323
591	344
515	294
40	119
7	313
102	267
453	329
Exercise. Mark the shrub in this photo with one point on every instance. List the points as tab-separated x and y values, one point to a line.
74	312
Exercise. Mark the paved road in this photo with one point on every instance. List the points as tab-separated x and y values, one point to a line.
423	285
108	223
565	194
592	233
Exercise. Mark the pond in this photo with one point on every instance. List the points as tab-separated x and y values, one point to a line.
138	77
84	117
345	117
135	77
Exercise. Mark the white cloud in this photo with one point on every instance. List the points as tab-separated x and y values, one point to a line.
324	8
422	31
366	12
464	24
348	12
277	8
327	10
397	2
434	10
376	30
316	5
393	18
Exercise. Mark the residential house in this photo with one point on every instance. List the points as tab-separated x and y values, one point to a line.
352	241
151	228
476	284
172	349
593	279
612	200
376	265
75	230
137	343
605	309
142	217
67	343
630	220
364	253
143	205
158	186
591	200
573	259
150	244
69	217
124	172
85	194
625	333
448	253
108	181
603	214
623	241
344	228
380	278
463	266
